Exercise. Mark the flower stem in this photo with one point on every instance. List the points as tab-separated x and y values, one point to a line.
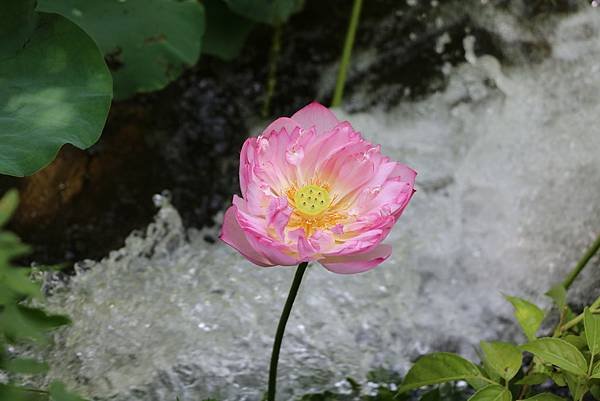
285	314
348	45
594	308
581	263
272	73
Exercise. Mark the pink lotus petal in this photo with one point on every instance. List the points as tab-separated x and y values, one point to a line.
358	263
316	115
275	252
232	234
282	123
278	215
306	249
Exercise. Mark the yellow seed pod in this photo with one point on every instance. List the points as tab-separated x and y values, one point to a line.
312	199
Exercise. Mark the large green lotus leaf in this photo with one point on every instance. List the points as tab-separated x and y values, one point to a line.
267	11
54	89
226	31
147	43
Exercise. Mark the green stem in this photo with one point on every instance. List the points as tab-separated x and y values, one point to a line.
345	61
594	308
272	74
285	314
581	263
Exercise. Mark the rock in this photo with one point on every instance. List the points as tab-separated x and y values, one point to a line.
508	187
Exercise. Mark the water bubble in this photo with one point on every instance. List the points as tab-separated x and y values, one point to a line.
157	199
163	199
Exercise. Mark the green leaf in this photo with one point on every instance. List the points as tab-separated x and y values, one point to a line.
226	31
8	205
19	282
58	392
533	379
481	381
528	315
26	366
596	371
493	392
11	247
21	322
504	358
55	89
558	378
578	385
558	293
559	353
9	392
577	341
437	368
591	323
432	395
147	43
595	391
545	397
268	11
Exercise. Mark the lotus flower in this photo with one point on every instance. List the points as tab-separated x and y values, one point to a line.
314	190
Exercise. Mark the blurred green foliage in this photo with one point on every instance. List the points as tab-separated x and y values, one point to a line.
147	43
54	87
226	31
20	321
267	11
55	82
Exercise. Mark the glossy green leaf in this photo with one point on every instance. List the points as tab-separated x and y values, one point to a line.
528	315
591	323
545	397
504	358
54	89
493	392
226	31
437	368
559	353
558	293
26	366
147	43
58	392
268	11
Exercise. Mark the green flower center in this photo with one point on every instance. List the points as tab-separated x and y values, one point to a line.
312	199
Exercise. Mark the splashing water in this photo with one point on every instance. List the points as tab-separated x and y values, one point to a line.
509	182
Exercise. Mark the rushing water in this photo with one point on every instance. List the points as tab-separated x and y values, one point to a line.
508	156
